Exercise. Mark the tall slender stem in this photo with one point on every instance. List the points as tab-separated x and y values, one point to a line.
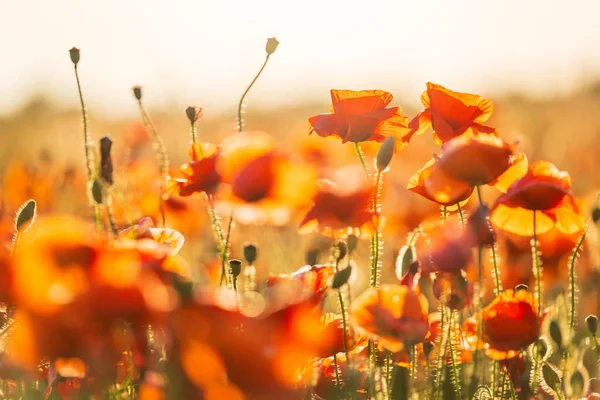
376	239
361	158
461	214
241	103
87	146
455	374
161	157
572	288
537	270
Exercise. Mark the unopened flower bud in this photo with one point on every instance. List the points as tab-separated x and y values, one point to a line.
341	277
137	92
106	164
25	215
74	53
339	250
250	253
272	44
521	286
235	267
592	324
311	257
406	259
97	191
385	153
555	333
193	113
427	347
596	209
352	242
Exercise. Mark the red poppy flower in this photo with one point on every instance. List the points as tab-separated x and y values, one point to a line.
344	202
200	175
359	116
450	113
510	323
455	287
391	314
447	248
544	190
433	184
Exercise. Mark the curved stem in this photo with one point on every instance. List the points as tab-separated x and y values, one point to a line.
461	214
572	288
338	383
241	103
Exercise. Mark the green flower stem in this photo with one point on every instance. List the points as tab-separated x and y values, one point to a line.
241	103
361	158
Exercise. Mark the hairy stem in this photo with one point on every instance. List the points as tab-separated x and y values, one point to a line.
241	103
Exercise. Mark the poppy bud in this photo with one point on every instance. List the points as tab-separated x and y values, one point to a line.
137	92
272	44
352	242
106	164
339	250
555	333
193	113
341	277
26	215
97	191
592	324
385	153
479	227
74	53
521	286
427	347
596	209
250	253
235	267
311	257
406	259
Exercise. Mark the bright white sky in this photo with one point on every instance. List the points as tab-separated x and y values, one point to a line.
205	52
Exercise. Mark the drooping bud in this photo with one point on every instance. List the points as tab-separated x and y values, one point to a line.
74	53
235	267
106	164
385	153
339	250
272	44
479	228
352	242
25	215
137	92
341	277
592	323
193	113
427	347
250	253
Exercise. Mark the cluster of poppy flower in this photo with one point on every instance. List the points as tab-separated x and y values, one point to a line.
118	313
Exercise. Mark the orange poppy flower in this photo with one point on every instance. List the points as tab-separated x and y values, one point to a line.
144	229
433	184
200	175
545	191
479	160
344	202
450	113
391	314
264	185
335	328
510	323
310	280
359	116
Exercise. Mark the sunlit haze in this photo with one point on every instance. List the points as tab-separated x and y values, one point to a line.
205	52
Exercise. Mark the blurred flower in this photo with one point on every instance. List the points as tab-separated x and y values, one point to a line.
275	347
455	287
326	387
264	185
544	190
200	175
447	248
359	116
510	323
391	314
314	281
450	113
144	229
433	184
342	202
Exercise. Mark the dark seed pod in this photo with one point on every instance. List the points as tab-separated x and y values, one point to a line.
592	324
235	267
97	191
272	44
341	277
340	249
137	92
106	164
555	333
74	53
250	253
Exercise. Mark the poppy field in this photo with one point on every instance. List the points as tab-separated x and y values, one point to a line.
368	253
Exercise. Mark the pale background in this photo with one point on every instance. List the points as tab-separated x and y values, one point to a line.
205	52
